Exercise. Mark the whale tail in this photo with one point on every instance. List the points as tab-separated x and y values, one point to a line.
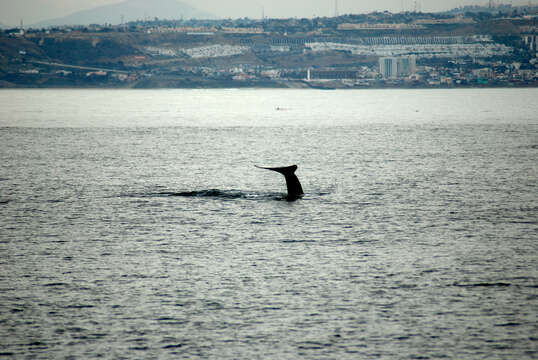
295	190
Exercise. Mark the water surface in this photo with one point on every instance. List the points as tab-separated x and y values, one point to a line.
134	224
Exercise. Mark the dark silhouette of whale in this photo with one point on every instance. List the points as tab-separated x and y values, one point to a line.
295	190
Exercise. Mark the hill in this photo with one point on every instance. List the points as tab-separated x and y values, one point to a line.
129	10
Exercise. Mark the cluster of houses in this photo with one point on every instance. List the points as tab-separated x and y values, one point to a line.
398	52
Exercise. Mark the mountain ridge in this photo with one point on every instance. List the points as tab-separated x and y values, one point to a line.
129	10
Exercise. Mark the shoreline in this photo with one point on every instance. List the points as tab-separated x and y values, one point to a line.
255	85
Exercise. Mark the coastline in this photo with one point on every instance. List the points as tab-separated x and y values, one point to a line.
212	84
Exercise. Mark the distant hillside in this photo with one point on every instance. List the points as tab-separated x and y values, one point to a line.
129	10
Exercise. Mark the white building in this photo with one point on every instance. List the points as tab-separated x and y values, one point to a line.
393	67
531	41
387	67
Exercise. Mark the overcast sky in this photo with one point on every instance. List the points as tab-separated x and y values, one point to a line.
31	11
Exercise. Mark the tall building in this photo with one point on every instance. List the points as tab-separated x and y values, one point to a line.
393	67
531	41
387	67
406	66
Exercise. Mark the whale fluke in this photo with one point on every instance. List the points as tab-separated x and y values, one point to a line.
295	190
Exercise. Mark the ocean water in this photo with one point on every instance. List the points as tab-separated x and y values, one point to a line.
133	224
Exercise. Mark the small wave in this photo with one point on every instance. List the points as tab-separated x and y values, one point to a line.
527	146
55	284
508	324
36	343
291	241
139	348
313	345
54	201
484	284
79	306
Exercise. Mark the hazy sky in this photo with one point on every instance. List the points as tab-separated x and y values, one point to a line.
31	11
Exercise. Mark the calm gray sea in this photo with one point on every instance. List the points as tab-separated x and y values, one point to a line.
134	225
